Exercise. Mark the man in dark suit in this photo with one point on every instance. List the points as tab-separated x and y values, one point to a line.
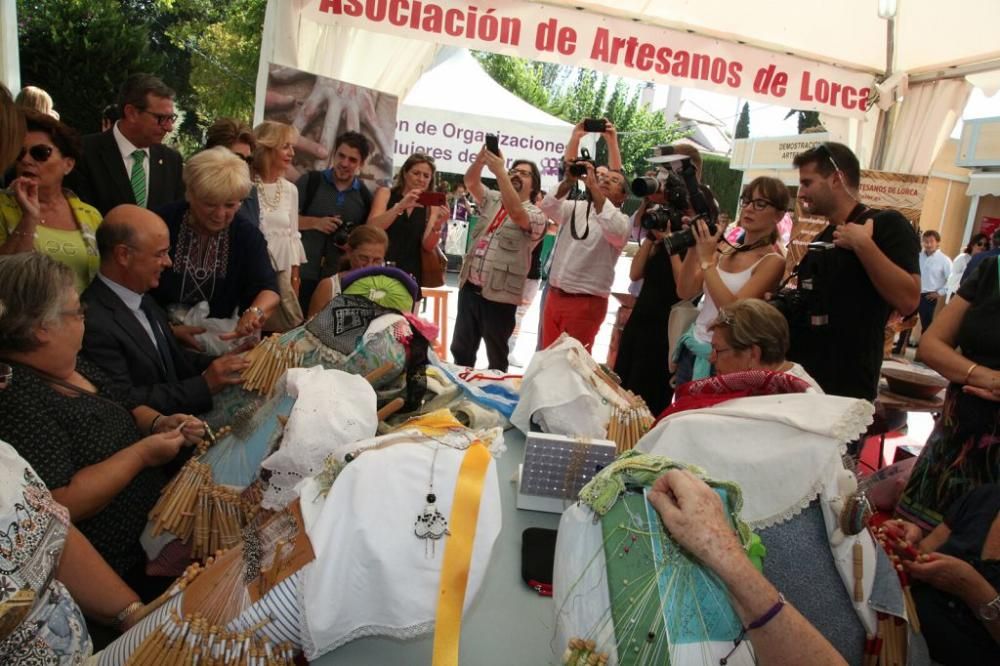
129	336
128	163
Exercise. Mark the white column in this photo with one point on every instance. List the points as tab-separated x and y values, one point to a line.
10	62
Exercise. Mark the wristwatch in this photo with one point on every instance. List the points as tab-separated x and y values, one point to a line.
990	611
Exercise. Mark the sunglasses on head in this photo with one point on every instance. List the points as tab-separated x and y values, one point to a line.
829	155
39	152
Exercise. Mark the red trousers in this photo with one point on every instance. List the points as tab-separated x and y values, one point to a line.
579	315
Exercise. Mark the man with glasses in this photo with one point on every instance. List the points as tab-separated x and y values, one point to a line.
494	271
871	270
591	236
129	336
129	164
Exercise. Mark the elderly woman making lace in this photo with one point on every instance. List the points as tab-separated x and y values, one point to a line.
100	458
749	339
218	255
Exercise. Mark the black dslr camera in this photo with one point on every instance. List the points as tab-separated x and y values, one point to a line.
577	168
676	180
808	306
339	237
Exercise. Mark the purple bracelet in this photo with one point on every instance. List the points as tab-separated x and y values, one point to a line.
756	624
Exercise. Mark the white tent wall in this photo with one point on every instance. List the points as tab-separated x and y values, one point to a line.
923	122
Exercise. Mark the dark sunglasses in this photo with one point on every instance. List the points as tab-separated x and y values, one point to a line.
39	153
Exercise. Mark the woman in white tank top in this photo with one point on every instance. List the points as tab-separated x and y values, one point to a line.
725	273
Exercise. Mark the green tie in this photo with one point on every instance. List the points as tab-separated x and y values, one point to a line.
139	177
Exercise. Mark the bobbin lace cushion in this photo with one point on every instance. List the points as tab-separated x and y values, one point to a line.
32	533
782	450
367	556
557	394
332	409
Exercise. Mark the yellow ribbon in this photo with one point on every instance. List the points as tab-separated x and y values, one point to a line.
458	554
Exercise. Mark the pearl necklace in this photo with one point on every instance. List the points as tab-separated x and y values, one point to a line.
262	194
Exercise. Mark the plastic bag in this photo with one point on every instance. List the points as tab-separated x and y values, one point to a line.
197	315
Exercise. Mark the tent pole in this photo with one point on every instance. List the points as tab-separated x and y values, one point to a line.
882	130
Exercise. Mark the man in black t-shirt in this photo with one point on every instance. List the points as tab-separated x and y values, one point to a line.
328	200
872	270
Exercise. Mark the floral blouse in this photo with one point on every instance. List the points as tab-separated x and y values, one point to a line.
40	623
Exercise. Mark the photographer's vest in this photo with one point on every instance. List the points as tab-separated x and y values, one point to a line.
505	252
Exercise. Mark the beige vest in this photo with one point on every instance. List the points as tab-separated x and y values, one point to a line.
507	259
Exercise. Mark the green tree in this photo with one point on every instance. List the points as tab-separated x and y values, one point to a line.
573	94
743	124
80	51
807	120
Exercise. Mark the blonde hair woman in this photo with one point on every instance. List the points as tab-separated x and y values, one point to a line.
218	255
278	208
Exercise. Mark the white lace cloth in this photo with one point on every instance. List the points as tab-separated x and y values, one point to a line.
333	409
372	575
780	449
557	394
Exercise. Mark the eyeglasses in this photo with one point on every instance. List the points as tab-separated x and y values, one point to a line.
162	118
721	350
524	173
758	204
364	260
39	153
159	254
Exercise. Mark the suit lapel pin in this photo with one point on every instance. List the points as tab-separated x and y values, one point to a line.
160	162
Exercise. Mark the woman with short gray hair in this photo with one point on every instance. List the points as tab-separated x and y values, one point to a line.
99	455
751	334
218	255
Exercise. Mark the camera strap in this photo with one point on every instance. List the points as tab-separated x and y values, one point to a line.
572	223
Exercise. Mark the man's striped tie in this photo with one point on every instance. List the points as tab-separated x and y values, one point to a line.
139	177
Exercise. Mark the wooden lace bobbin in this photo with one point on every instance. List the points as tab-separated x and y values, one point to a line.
859	572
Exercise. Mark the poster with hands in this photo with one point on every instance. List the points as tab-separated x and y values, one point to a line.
322	108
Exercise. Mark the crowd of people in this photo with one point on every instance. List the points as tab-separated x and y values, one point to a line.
117	253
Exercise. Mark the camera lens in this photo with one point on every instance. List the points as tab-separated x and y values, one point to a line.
643	187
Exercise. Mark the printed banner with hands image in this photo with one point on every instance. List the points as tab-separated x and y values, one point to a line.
321	109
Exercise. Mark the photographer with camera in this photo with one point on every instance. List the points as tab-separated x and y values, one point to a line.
494	271
861	267
592	233
331	203
726	273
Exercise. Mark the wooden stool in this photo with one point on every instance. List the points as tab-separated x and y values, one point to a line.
438	299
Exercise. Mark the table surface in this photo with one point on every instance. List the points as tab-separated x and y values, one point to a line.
508	623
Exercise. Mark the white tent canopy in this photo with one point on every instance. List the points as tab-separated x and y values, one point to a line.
455	103
830	54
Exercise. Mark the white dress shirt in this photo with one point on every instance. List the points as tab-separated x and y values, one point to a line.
934	272
132	301
126	148
585	265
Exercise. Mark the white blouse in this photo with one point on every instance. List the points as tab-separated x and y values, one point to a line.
279	222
